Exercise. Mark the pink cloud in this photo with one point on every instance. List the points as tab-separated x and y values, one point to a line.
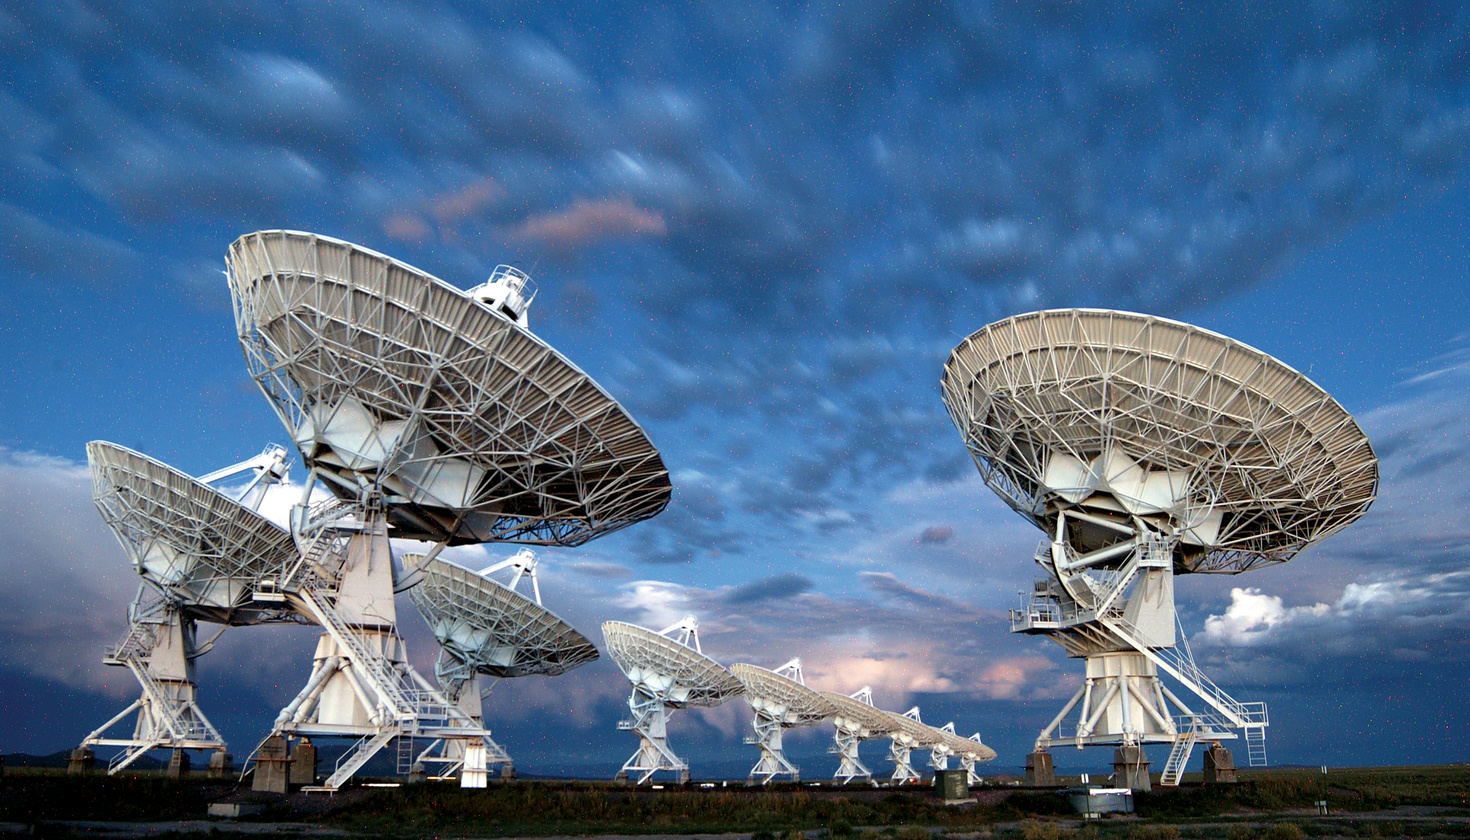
589	221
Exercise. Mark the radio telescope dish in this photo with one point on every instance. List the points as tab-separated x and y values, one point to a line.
200	552
1247	460
203	549
432	414
968	750
473	429
909	734
856	720
1146	448
487	628
668	671
780	700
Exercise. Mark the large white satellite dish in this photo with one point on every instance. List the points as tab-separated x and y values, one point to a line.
432	414
488	629
781	701
910	733
856	720
201	551
668	671
1146	448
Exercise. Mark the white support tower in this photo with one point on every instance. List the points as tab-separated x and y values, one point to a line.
856	720
780	700
431	414
1146	449
668	671
159	649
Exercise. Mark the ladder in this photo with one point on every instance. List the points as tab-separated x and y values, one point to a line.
379	676
1255	745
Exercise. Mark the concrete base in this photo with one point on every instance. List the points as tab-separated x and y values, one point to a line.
1039	770
83	760
507	773
178	765
273	766
1219	766
683	777
221	765
303	764
417	773
1130	769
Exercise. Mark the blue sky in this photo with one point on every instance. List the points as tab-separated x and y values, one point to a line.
762	228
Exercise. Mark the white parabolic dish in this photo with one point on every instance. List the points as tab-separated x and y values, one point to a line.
202	548
915	733
1249	459
857	716
677	675
474	429
494	629
781	699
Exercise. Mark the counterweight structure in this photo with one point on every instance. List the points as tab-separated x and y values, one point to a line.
856	720
198	549
486	628
1146	449
781	701
668	671
431	414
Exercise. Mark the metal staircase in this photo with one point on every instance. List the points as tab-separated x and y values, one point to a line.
1251	717
1179	754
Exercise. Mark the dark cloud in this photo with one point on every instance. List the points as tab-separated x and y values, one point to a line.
780	587
936	534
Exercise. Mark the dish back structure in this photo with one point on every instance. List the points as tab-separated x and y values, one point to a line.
1147	448
668	671
472	428
199	551
856	720
431	414
781	701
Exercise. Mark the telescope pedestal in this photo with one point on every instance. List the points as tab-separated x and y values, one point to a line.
650	723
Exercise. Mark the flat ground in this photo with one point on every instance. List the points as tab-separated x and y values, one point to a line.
1274	804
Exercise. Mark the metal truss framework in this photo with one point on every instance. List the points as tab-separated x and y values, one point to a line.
1146	448
781	701
473	428
856	720
668	671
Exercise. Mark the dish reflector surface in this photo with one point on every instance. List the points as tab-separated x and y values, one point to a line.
1250	460
493	629
678	675
474	429
203	549
784	700
858	716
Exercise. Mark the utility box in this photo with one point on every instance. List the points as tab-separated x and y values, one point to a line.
303	763
953	785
